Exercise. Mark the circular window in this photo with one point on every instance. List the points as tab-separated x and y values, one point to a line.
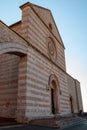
51	49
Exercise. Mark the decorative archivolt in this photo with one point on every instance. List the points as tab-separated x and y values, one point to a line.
53	78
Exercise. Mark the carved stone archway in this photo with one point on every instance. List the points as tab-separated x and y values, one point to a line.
55	91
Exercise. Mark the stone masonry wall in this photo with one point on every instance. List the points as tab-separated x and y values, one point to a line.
48	19
8	85
40	67
79	96
72	93
17	28
38	100
36	33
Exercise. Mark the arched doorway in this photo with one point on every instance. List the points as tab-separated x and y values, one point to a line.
55	91
53	97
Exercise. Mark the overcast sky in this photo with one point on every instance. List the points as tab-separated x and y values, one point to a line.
71	19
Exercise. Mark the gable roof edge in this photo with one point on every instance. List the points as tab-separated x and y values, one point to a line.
57	29
31	6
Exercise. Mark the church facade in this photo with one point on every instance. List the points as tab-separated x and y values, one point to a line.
33	78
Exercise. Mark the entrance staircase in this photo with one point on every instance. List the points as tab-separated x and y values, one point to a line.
56	122
65	123
59	121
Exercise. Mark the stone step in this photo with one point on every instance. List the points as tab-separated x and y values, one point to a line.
45	122
57	122
72	122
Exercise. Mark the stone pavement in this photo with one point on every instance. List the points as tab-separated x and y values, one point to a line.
75	123
26	127
31	127
78	127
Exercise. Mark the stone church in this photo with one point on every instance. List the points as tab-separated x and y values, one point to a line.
33	78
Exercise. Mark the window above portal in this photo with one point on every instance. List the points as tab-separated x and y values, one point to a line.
52	49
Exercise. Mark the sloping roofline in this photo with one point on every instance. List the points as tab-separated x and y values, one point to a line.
18	22
31	5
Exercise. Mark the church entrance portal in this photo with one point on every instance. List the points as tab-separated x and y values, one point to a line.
54	97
